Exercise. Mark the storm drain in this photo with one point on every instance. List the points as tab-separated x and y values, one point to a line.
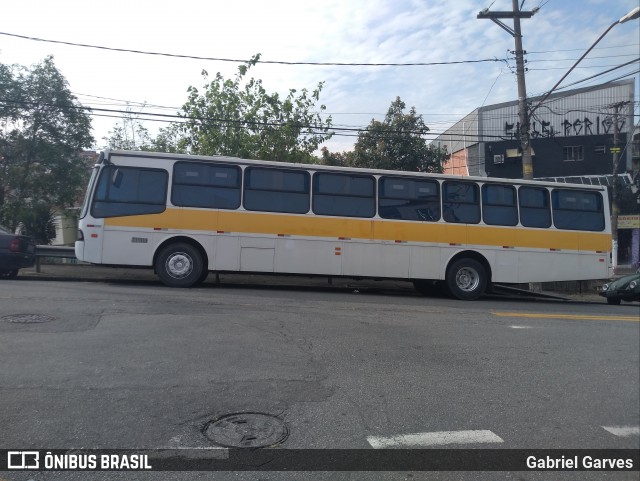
27	318
246	430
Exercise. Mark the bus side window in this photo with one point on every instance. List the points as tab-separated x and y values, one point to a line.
215	186
409	199
535	209
276	190
499	205
126	191
461	202
347	195
577	210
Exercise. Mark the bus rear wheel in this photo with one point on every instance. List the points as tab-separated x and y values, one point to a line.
180	265
466	279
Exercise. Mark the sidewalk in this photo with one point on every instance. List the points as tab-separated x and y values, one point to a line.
91	273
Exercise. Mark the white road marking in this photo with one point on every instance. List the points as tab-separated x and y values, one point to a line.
623	431
521	327
434	439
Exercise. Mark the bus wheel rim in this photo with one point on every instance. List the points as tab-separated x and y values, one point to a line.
467	279
179	265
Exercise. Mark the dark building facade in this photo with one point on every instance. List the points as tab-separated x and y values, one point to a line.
573	156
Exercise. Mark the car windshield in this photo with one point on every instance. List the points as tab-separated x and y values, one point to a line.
4	230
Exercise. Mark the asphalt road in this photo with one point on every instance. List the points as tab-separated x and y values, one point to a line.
137	365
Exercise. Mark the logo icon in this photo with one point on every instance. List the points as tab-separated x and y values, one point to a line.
23	460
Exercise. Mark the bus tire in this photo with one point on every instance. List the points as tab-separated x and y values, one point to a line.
203	277
179	265
466	279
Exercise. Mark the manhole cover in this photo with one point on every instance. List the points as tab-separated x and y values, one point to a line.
27	318
246	430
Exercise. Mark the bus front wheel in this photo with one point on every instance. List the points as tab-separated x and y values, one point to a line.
180	265
466	279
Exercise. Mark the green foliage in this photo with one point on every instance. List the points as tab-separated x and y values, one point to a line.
128	133
238	117
398	143
43	132
336	159
169	139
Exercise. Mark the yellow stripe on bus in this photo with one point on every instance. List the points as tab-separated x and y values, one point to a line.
374	229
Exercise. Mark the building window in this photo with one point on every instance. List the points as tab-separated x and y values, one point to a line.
600	149
573	153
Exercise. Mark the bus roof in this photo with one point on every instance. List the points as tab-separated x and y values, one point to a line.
108	153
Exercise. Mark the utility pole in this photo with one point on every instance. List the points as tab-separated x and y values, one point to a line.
515	32
614	189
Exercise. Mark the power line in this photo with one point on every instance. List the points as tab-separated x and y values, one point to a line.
617	47
599	74
278	62
574	59
564	68
168	118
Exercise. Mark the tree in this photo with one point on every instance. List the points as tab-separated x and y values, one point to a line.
44	129
239	118
398	143
336	159
128	133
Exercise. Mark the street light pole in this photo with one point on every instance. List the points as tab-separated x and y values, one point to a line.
632	15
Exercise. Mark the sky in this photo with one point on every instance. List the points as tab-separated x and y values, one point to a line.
338	31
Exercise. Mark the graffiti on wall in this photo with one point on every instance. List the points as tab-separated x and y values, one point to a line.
569	128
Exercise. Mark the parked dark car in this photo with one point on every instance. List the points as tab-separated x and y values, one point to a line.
626	288
16	252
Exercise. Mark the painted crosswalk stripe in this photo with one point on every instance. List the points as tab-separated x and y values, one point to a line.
623	431
437	438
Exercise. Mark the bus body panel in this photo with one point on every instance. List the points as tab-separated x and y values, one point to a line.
308	255
520	258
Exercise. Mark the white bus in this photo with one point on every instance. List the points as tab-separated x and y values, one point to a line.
186	216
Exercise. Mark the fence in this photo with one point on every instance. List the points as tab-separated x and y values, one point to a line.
53	251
